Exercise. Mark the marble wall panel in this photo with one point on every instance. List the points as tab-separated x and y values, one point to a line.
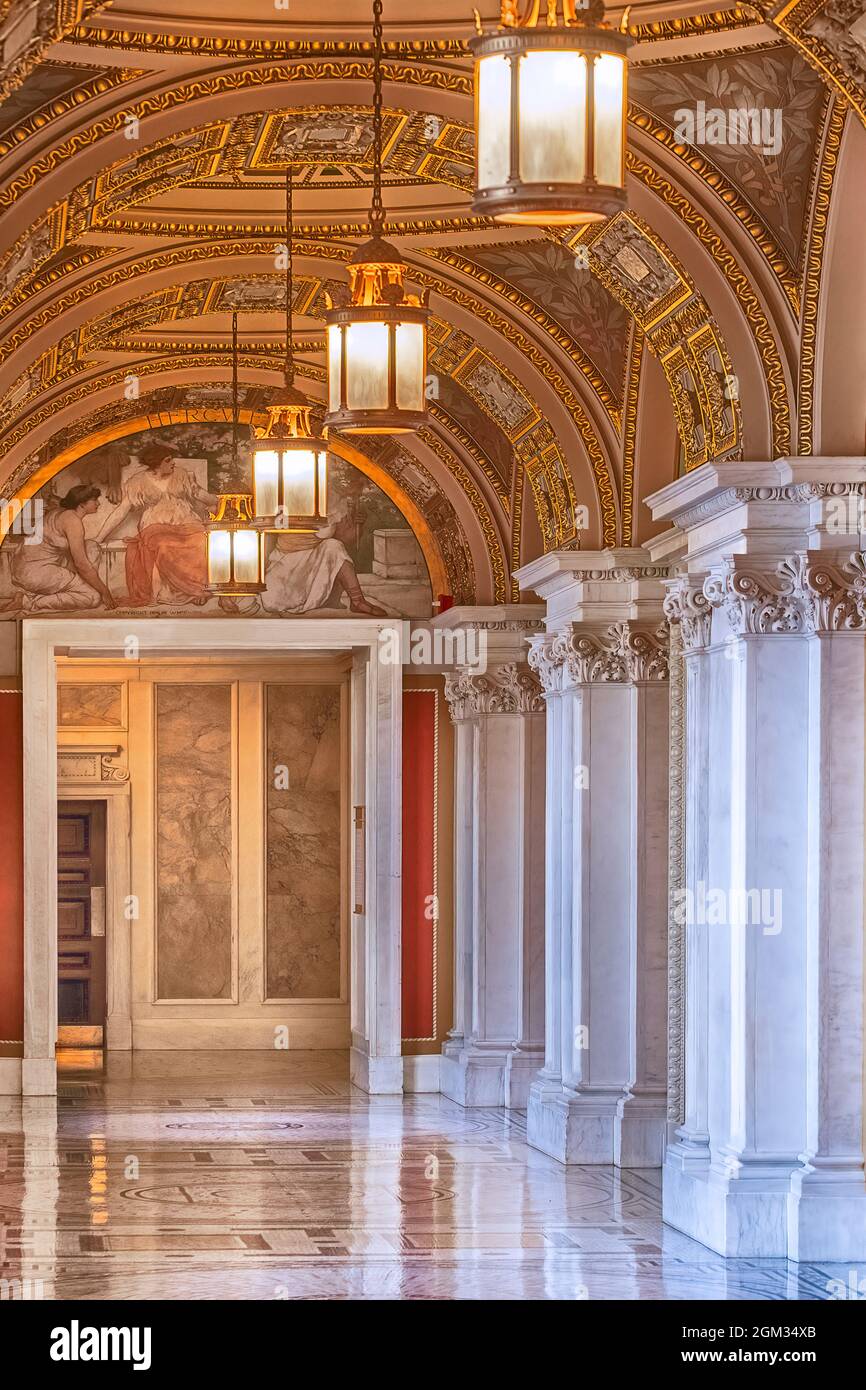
89	706
194	841
303	841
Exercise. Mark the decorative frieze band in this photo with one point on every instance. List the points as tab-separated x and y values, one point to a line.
506	689
623	652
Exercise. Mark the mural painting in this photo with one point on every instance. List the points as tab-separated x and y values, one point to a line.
123	529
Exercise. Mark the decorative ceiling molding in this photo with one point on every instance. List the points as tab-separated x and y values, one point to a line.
457	259
821	30
777	389
828	155
629	433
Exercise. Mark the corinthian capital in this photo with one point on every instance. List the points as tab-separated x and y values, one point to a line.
761	601
644	651
506	689
686	603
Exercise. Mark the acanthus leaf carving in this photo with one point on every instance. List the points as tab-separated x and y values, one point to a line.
686	603
806	593
507	689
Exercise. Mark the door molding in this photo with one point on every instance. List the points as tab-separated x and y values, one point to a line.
376	758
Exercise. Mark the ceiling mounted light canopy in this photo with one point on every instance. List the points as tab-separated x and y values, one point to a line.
550	114
377	340
290	458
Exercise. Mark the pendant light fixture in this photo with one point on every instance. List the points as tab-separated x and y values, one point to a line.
290	459
550	114
235	545
377	342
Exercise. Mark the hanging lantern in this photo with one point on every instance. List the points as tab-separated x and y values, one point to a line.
377	341
550	115
290	459
235	555
290	468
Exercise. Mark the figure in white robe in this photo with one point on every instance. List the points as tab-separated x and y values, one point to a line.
313	571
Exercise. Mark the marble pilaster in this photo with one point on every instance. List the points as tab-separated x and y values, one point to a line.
600	1097
769	1160
496	1045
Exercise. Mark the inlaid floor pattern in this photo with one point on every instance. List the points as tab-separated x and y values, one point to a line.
251	1176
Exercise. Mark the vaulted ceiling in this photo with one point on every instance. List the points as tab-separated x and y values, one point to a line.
143	149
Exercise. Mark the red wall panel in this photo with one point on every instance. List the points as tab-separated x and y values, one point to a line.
11	870
419	860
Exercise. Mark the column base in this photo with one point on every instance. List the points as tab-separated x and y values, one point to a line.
39	1076
640	1130
473	1075
743	1213
572	1127
378	1076
827	1212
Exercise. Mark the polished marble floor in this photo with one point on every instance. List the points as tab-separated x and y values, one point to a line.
251	1176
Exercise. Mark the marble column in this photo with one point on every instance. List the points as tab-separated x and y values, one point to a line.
600	1096
497	1046
769	1160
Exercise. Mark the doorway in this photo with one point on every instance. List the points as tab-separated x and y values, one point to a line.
81	857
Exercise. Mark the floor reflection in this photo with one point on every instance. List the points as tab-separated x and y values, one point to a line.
251	1176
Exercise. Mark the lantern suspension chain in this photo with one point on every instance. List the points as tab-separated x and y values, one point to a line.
235	460
377	210
289	364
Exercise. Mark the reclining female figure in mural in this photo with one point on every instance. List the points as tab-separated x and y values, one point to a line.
166	560
305	572
59	572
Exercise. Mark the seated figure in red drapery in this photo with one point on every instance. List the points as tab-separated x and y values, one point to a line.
166	561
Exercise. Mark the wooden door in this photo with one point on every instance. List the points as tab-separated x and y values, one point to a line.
81	921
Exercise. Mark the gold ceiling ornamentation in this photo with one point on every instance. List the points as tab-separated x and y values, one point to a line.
540	360
639	270
823	193
454	427
53	22
552	490
516	524
495	551
60	106
689	26
430	50
274	50
394	226
240	79
793	19
763	238
774	374
629	430
453	258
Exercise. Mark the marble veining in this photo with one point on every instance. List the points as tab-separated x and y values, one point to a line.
303	841
259	1176
89	706
194	841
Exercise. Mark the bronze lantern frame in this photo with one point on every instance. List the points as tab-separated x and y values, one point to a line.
548	203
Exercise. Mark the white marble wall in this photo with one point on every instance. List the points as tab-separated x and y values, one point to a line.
772	608
600	1097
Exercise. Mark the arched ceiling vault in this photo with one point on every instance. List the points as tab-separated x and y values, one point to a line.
142	153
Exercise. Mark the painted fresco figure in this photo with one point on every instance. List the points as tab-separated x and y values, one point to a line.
313	571
166	561
59	573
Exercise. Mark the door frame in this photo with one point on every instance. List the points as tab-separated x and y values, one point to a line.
376	780
118	888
